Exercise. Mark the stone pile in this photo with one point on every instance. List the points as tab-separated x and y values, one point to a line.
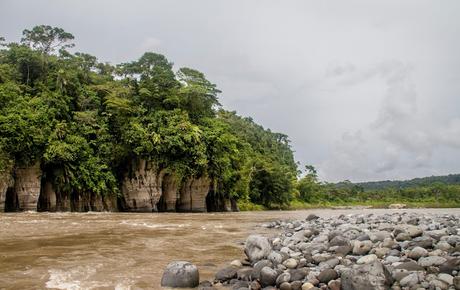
352	252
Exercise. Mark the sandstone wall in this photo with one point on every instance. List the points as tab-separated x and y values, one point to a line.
6	181
47	200
170	190
27	186
193	194
141	187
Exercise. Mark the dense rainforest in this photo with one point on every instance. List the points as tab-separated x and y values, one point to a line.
78	134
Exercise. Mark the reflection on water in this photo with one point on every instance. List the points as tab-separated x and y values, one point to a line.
124	250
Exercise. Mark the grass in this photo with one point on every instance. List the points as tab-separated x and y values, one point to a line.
245	205
297	204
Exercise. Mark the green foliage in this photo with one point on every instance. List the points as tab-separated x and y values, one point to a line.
431	192
46	38
84	121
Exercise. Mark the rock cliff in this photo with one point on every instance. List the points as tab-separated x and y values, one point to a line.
144	188
6	182
141	186
193	194
170	191
27	186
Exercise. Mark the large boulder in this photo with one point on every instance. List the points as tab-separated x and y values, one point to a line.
257	248
368	276
180	274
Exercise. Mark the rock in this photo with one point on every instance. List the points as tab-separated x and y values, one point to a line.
417	253
443	246
193	194
423	241
27	187
312	217
343	250
410	266
397	206
351	234
296	285
255	285
236	263
244	274
379	236
206	285
456	282
414	231
141	186
334	285
327	275
446	278
339	241
226	274
367	259
410	280
388	243
431	261
285	286
307	286
283	277
381	252
180	274
240	285
450	266
268	276
362	248
368	276
437	284
298	274
403	237
290	263
257	248
258	267
331	263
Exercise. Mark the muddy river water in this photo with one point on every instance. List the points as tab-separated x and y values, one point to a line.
126	250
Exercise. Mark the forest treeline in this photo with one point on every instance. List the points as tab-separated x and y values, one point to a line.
430	191
83	120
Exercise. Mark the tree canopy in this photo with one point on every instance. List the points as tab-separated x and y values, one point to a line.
83	120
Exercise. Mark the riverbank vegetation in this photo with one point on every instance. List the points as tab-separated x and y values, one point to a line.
81	121
435	191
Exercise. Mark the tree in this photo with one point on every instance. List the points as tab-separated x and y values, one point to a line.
47	39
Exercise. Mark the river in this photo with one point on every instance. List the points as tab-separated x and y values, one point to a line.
126	250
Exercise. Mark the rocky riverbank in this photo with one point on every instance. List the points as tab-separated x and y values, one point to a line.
388	251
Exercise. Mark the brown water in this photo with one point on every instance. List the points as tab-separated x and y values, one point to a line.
125	250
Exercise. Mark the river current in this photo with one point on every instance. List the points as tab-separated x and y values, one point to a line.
127	250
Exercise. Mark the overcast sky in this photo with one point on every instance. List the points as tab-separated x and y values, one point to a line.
366	90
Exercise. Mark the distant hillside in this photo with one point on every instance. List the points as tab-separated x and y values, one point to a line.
385	184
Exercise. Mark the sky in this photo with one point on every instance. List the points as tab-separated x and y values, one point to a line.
366	90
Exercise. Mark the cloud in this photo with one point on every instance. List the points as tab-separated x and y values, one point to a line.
364	90
398	140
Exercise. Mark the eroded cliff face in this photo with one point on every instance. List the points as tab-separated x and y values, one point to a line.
27	182
6	181
144	188
193	194
141	186
170	191
92	202
47	200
